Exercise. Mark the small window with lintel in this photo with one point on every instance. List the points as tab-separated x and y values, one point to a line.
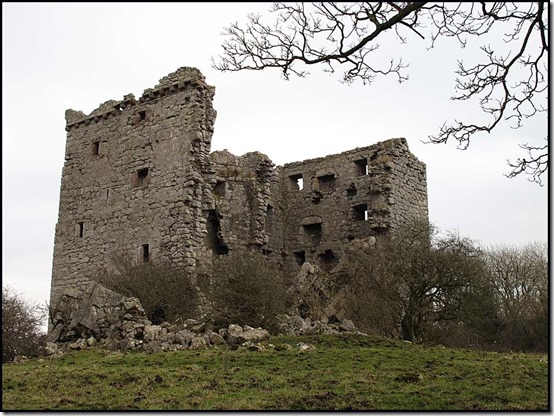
360	212
140	178
296	182
95	149
145	253
142	115
362	167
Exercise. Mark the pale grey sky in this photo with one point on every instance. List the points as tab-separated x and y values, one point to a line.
59	56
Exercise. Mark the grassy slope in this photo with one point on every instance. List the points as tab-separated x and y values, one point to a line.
342	372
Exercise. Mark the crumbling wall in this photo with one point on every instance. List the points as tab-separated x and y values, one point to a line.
338	198
139	181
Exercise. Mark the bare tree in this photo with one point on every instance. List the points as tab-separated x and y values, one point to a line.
21	326
510	87
519	277
420	277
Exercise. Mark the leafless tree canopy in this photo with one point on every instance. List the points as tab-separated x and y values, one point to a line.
509	86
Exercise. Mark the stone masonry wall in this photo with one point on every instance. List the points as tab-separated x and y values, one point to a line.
139	181
359	193
135	180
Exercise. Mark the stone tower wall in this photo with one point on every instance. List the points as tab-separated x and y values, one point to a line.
359	193
134	174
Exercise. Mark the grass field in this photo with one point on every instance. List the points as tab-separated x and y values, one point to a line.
340	373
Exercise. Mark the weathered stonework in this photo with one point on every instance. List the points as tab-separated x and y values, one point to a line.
139	180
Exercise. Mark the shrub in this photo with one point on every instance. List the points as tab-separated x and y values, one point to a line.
165	292
21	326
247	290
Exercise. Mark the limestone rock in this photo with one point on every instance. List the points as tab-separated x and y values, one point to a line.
237	337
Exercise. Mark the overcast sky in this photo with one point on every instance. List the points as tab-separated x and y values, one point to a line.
60	56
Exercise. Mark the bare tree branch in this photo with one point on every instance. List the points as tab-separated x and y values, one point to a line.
509	88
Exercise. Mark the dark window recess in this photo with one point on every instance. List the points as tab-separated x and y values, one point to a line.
269	219
266	251
326	183
328	260
315	197
296	182
140	178
142	115
213	238
360	212
220	188
145	253
351	191
313	232
361	167
95	148
107	193
300	257
81	229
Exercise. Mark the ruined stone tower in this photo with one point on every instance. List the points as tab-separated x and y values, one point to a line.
139	179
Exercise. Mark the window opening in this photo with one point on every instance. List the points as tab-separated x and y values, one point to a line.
95	148
140	178
213	238
362	167
142	115
300	257
220	188
326	183
361	213
81	229
297	182
351	191
313	232
145	253
316	197
328	260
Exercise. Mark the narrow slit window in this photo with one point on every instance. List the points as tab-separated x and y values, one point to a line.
145	253
361	213
95	148
81	226
296	182
362	167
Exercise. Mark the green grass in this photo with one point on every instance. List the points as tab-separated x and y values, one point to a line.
341	373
